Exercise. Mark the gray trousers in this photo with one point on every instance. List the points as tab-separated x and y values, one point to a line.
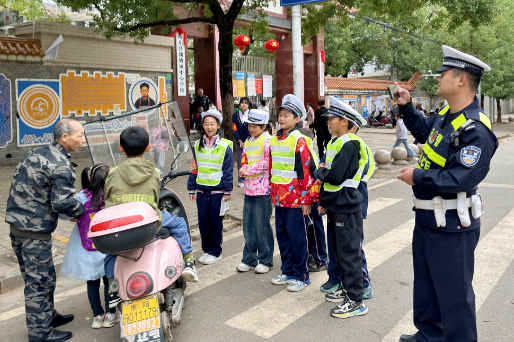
37	269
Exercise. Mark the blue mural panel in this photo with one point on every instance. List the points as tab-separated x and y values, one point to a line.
5	111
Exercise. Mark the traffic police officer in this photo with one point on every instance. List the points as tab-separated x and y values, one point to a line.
459	145
42	188
201	100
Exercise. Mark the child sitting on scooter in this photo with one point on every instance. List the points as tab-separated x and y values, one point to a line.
137	176
82	261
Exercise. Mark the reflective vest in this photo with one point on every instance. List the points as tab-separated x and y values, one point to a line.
311	148
437	147
210	162
365	159
255	150
283	158
333	149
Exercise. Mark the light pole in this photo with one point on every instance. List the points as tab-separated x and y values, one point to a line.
296	21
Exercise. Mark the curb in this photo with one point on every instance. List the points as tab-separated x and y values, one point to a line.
505	137
13	280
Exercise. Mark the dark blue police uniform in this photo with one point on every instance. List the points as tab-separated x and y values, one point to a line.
443	252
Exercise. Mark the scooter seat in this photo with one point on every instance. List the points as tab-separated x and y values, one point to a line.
163	233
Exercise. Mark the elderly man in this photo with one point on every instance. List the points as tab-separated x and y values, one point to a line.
42	188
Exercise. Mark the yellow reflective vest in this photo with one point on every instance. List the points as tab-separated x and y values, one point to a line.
210	162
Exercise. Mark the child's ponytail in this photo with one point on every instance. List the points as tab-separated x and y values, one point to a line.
96	177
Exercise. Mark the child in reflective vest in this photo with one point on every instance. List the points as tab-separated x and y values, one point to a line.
211	180
291	169
341	199
257	209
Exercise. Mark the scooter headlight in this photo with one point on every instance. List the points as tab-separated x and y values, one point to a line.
170	272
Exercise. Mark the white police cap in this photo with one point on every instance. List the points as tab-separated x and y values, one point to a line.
341	109
456	59
293	104
257	116
214	113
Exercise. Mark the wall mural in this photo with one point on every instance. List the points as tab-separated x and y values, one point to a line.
5	111
92	94
39	109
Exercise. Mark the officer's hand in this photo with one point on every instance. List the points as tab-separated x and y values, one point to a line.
192	197
306	208
404	95
407	175
321	210
241	144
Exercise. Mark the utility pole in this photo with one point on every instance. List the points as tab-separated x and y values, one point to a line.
296	19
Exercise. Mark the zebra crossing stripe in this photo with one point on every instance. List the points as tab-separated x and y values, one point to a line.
493	255
285	307
381	203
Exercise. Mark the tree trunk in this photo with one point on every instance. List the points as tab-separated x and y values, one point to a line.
482	99
499	108
225	48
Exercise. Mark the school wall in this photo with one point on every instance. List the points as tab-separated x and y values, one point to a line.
83	50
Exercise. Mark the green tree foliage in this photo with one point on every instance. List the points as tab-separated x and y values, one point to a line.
135	18
33	10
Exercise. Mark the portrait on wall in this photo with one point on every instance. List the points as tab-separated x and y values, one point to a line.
143	93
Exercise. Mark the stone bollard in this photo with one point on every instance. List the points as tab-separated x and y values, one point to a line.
382	159
511	119
420	148
399	155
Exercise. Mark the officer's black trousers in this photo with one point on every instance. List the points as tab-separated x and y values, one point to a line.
345	231
444	301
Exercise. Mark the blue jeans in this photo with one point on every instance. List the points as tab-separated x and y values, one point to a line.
259	242
405	142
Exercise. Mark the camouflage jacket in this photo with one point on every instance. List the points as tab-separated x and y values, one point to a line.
41	189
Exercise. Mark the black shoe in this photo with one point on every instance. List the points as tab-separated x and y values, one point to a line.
54	336
316	268
114	299
61	320
329	287
407	338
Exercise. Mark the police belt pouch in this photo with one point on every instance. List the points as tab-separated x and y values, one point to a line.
30	235
462	204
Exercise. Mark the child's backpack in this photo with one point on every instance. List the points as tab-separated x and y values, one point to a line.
85	220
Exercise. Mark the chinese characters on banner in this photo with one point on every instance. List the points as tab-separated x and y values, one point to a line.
321	77
267	85
181	65
250	82
258	85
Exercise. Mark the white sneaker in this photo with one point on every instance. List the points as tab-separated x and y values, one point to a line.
211	259
98	322
203	257
111	319
242	267
241	185
415	159
261	269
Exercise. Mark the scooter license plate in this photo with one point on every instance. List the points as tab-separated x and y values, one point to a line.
140	315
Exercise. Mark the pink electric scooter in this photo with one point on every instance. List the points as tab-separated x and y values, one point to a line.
149	264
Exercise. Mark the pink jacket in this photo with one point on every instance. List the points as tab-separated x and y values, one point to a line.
257	186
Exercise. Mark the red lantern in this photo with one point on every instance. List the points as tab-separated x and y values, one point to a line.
241	41
271	46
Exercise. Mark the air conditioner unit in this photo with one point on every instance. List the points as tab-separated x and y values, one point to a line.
9	17
7	31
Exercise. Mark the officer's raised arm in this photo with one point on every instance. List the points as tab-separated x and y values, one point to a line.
418	125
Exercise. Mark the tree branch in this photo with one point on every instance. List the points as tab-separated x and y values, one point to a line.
172	23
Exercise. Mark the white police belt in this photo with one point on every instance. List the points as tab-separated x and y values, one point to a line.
439	205
215	175
284	174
